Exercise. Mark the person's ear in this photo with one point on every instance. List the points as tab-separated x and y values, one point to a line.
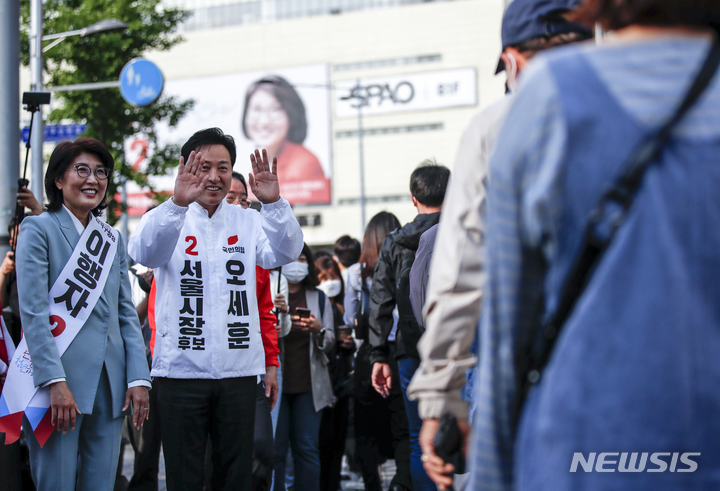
59	182
520	59
414	200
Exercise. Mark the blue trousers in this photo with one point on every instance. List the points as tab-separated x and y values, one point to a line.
276	410
84	459
420	479
299	427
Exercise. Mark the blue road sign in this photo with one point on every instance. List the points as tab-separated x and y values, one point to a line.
56	132
141	82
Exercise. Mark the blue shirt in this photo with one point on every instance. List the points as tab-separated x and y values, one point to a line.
634	367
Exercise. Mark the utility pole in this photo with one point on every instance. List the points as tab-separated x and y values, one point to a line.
36	72
10	118
362	169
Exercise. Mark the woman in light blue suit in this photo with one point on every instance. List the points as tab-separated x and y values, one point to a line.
104	368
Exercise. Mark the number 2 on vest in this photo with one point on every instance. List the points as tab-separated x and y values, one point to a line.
191	248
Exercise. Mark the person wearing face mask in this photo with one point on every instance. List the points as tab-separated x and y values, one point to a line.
263	444
334	426
457	273
307	388
573	349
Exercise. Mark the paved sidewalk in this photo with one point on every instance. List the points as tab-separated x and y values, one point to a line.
127	470
355	482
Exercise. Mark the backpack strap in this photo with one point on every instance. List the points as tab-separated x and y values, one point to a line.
362	318
604	221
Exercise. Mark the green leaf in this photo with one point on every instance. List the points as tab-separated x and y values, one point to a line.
100	58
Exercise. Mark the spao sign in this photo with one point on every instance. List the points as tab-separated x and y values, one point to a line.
411	92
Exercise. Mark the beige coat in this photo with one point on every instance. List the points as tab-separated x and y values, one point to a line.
457	273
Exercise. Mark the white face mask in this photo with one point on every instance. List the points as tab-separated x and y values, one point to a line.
295	272
331	287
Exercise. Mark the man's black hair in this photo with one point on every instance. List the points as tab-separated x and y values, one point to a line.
239	177
428	183
209	136
347	250
321	253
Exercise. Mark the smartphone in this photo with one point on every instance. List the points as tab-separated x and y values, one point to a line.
304	313
141	281
449	443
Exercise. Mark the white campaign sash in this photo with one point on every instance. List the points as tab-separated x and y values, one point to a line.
72	299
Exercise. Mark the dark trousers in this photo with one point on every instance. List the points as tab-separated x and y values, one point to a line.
193	409
146	443
381	425
264	454
401	441
15	466
333	431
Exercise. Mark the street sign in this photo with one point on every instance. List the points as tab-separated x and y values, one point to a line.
57	132
141	82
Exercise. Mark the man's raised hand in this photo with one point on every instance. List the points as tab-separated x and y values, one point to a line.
263	180
190	182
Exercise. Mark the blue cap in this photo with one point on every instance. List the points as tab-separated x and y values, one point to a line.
528	19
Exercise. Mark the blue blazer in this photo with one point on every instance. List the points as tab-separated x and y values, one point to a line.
111	335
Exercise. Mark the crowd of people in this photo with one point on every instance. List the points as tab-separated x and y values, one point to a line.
555	293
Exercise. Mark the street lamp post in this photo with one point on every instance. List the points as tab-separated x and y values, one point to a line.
36	73
9	128
362	169
36	66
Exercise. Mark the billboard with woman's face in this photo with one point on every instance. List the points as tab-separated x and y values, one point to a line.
285	111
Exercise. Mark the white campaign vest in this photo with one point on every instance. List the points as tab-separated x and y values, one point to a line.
72	299
206	311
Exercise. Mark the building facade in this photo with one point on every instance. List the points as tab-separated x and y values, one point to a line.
407	76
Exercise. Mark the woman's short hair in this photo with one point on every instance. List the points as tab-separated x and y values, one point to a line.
289	100
616	14
64	154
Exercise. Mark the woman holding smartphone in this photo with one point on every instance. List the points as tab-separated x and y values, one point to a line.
306	382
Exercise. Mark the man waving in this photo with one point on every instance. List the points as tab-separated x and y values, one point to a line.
208	346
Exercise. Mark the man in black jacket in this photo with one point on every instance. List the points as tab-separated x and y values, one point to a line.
390	289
